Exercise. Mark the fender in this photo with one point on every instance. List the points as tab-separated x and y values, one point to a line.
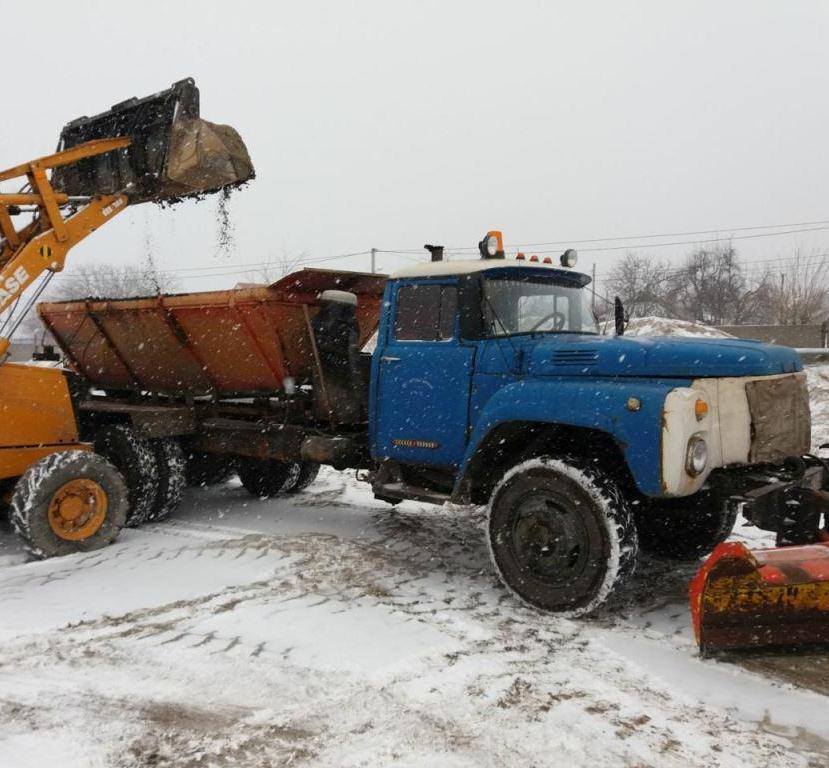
595	404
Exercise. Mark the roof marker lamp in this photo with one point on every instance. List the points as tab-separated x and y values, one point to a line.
569	258
492	246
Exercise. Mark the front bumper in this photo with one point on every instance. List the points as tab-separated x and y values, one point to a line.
792	501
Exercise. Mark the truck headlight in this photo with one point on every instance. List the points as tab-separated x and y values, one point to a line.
696	456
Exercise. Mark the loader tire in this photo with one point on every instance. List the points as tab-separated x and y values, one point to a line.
70	501
263	477
300	475
134	458
208	468
170	464
684	529
561	534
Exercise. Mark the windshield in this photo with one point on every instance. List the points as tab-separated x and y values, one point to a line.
535	305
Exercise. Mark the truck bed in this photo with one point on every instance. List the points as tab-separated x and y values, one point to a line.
240	342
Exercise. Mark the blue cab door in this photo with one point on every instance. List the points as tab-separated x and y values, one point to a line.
424	375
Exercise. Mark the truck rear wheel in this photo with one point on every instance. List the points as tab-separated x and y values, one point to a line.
170	464
134	458
208	468
300	475
561	534
263	477
686	528
71	501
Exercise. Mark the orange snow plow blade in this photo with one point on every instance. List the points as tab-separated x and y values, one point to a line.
744	598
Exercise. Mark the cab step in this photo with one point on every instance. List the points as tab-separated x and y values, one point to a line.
400	491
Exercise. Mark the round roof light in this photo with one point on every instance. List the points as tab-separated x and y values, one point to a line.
492	246
569	258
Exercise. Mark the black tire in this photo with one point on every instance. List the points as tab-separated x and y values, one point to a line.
36	488
684	529
300	475
134	458
561	534
208	468
263	477
170	465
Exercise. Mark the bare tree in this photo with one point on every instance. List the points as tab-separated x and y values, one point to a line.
642	282
709	287
99	281
799	295
284	264
108	281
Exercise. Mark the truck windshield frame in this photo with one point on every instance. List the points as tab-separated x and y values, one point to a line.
516	305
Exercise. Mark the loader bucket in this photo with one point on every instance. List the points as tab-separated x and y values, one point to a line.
744	598
173	154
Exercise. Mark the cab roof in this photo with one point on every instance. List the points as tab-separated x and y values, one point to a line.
466	267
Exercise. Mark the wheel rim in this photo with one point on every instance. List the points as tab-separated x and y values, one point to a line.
78	509
550	542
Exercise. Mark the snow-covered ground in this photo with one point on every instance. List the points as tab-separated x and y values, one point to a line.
327	629
818	379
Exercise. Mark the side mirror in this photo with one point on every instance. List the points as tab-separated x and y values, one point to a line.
619	316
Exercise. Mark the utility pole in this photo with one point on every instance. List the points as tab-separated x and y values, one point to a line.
373	260
782	306
593	296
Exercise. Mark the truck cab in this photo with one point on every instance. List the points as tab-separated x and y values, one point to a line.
491	384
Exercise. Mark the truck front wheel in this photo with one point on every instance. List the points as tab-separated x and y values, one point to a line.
686	528
71	501
561	534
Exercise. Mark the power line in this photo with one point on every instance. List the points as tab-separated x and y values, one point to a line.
659	235
185	272
412	253
636	246
461	251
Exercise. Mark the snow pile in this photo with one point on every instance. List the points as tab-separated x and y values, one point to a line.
667	326
818	378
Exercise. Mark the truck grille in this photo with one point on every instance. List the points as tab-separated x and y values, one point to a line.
781	424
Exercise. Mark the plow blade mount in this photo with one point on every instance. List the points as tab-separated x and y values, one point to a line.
744	598
173	154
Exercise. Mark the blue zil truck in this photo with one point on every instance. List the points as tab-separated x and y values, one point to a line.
489	384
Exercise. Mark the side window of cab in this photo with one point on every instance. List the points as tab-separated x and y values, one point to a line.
425	312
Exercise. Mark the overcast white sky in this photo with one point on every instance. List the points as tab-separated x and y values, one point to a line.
392	124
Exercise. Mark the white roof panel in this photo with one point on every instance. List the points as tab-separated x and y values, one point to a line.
466	267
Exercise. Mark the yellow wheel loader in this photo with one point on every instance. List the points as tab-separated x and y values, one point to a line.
63	497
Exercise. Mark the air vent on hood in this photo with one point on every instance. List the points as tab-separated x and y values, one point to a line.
575	356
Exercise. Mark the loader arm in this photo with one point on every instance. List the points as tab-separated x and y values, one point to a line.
43	244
